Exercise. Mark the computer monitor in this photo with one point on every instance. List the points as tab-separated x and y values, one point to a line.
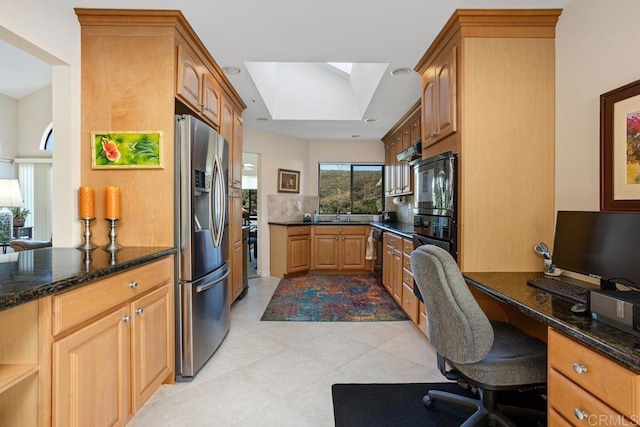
603	245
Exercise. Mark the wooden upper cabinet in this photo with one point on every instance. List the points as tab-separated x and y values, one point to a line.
447	99
211	98
439	100
226	124
197	87
414	131
188	80
406	138
235	178
398	175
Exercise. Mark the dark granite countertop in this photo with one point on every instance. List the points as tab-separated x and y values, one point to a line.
512	289
405	230
288	223
29	275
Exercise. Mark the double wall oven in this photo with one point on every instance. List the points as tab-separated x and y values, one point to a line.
435	203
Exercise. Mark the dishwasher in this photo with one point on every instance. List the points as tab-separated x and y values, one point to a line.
377	262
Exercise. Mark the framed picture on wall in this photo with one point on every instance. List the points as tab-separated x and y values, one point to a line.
125	149
620	149
288	181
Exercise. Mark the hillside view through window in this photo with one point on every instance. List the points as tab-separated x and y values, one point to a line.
357	189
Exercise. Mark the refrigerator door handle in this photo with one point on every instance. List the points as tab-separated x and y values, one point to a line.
218	202
203	288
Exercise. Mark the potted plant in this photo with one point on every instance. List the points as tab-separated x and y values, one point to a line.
19	216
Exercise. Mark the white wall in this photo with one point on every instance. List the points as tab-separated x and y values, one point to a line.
282	152
50	31
341	152
8	127
34	115
595	52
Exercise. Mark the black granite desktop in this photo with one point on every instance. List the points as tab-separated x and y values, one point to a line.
29	275
512	289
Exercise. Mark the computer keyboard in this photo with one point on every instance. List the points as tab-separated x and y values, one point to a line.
560	289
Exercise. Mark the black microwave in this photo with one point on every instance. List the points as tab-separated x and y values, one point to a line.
435	185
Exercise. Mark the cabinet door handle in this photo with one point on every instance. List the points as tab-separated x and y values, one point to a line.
580	414
337	237
579	369
133	284
140	310
201	105
126	319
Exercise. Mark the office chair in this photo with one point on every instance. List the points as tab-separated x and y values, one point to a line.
490	356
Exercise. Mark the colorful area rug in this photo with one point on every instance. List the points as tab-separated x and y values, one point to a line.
319	298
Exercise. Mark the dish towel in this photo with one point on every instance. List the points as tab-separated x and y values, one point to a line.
371	247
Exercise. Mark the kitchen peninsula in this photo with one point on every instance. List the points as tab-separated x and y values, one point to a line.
105	317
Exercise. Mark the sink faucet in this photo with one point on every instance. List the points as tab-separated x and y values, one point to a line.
337	213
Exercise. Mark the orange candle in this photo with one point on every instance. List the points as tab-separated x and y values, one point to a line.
112	202
86	204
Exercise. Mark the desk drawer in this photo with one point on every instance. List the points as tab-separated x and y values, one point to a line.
604	378
556	420
578	406
78	305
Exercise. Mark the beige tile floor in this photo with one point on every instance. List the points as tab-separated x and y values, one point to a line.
280	373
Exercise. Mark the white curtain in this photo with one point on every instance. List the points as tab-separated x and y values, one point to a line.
35	184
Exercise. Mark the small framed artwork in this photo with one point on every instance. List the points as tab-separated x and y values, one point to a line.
620	149
131	150
288	181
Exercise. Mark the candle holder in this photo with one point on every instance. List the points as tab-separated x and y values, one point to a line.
88	244
87	260
112	245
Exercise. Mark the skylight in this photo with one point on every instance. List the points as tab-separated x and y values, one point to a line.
342	66
316	90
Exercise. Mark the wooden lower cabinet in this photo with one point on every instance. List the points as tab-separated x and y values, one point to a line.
290	249
105	367
339	247
235	242
299	253
397	277
91	374
151	348
326	252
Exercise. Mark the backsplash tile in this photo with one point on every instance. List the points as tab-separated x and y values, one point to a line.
290	207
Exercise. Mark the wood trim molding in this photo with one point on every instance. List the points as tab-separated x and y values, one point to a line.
404	119
118	21
493	23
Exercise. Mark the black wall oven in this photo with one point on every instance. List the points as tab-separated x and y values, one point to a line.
435	204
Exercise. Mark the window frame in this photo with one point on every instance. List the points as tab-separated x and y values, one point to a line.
351	165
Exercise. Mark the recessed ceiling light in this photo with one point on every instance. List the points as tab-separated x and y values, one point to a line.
232	71
370	120
355	136
262	119
401	71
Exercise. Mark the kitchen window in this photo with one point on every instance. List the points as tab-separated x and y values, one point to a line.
354	188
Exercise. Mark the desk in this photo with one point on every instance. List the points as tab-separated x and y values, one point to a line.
512	289
608	345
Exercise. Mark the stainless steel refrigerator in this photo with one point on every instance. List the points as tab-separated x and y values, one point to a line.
202	229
